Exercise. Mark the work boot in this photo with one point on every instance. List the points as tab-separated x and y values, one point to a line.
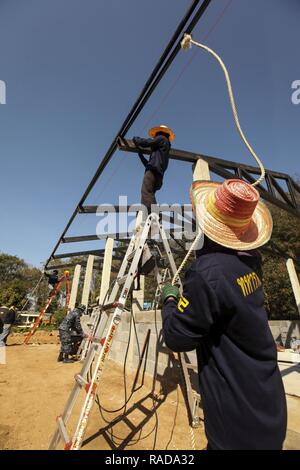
67	359
60	357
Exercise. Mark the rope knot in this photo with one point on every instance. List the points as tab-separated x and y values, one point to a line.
186	43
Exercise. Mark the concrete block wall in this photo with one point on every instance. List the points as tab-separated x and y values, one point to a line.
283	331
157	354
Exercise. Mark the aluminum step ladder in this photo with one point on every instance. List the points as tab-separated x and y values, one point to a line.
92	325
88	379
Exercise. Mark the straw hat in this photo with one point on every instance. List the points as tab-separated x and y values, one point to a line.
231	214
164	129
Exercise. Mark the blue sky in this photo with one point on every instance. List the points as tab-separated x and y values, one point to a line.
73	69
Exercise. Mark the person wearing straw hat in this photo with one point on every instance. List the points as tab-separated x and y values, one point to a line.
159	143
221	314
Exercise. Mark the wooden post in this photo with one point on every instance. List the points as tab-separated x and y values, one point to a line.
75	284
201	171
294	281
87	280
106	270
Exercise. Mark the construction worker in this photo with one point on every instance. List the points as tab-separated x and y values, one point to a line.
160	144
52	278
70	323
7	319
221	315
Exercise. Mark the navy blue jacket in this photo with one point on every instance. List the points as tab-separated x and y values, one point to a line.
159	158
221	314
52	278
72	322
7	315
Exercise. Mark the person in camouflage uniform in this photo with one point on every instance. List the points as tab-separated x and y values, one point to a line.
70	323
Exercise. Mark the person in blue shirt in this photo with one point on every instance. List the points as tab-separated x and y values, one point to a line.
156	166
70	323
221	315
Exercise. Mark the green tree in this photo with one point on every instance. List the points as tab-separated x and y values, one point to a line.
280	300
11	268
17	279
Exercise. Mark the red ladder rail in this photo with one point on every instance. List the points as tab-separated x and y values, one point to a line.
45	308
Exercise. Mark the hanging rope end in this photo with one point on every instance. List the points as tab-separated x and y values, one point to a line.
186	43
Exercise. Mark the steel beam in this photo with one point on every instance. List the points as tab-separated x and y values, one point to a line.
88	238
192	157
288	201
120	236
98	253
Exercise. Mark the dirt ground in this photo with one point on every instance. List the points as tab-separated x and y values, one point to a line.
34	388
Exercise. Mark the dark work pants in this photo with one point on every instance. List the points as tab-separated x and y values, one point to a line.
152	182
66	344
4	332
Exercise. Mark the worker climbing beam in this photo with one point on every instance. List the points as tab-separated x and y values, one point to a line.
285	199
192	157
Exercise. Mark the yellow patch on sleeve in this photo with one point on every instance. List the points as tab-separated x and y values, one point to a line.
182	304
249	283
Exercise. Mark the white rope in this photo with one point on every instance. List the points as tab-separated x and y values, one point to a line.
187	44
177	274
32	292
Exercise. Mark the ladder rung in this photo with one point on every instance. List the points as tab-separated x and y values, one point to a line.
62	430
191	366
197	398
80	380
129	423
111	305
143	409
83	383
138	228
121	280
156	397
96	340
131	255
